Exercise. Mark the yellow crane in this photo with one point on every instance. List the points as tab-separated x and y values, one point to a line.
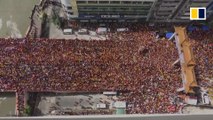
186	59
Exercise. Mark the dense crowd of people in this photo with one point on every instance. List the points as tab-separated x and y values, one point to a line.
202	44
134	63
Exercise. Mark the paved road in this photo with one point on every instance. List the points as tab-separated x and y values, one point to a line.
14	17
7	104
121	117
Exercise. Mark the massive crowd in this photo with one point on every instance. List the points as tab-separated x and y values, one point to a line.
202	44
134	63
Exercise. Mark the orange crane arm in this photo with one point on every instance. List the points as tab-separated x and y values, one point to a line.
187	60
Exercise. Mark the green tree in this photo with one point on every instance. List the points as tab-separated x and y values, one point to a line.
56	19
27	110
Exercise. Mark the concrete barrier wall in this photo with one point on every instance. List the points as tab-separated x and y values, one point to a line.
33	27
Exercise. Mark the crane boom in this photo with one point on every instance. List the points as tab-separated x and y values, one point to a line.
186	58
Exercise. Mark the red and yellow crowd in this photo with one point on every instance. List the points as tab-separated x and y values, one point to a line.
133	62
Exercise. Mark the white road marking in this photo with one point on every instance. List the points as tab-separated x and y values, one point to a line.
15	33
0	23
